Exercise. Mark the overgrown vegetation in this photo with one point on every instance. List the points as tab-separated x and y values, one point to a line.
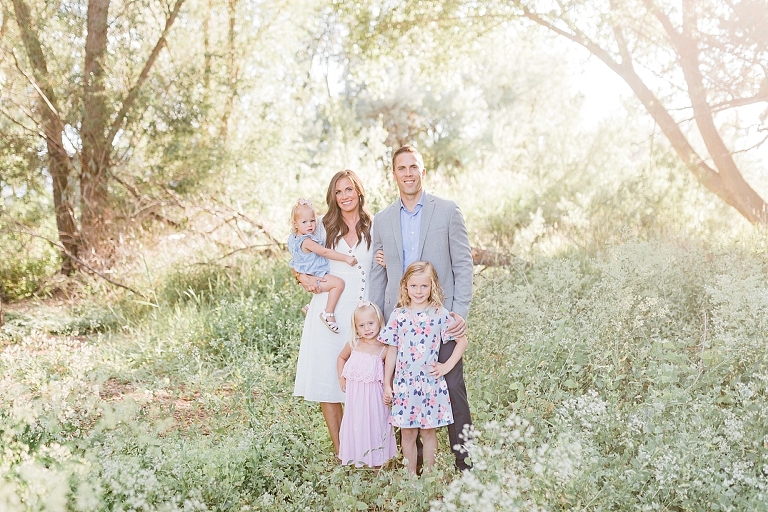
618	363
631	380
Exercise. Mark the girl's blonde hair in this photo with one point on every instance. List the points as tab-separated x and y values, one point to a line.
436	296
301	204
362	305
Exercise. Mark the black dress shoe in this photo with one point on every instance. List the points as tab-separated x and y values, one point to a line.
463	465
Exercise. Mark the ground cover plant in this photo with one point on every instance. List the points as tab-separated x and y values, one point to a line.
634	379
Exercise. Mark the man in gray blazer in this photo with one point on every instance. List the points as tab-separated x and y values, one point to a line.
423	227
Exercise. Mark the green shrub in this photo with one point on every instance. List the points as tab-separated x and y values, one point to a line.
635	380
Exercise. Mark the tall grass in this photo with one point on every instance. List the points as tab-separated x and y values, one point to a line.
632	380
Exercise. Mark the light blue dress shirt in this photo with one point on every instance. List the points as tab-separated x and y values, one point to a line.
410	226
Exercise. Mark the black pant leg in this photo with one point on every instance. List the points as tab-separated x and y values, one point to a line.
457	390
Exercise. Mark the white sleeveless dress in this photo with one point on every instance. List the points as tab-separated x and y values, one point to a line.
316	378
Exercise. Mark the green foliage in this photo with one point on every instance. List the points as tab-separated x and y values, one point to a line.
630	380
638	367
25	265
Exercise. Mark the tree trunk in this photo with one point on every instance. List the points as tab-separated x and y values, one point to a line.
726	182
59	164
749	202
96	152
232	74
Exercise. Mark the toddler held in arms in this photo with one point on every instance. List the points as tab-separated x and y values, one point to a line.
366	438
310	256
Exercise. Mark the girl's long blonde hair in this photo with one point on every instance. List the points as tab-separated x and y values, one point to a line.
436	296
363	304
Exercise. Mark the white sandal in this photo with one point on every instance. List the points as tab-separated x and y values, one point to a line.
330	324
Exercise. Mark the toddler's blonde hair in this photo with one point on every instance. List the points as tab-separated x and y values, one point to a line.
362	305
301	204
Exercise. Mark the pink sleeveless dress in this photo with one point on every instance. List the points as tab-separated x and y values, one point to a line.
366	438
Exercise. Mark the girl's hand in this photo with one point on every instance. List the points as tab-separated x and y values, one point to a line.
351	260
379	258
387	395
440	369
343	384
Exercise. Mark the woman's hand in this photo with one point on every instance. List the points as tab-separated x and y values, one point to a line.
310	283
379	258
343	384
351	260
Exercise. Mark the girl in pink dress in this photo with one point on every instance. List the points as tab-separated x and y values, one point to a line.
414	380
366	438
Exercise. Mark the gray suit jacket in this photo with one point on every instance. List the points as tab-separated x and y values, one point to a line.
443	242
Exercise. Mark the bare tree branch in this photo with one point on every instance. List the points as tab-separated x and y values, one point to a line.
134	92
727	184
29	231
748	202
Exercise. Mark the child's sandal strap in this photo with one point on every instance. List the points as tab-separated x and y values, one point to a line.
330	324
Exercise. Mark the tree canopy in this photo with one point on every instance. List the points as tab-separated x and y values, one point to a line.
116	114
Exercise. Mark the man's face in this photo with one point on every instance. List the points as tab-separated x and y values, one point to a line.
408	174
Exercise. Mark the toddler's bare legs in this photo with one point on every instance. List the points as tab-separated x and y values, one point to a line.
334	286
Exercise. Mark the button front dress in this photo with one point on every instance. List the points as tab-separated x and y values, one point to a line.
316	378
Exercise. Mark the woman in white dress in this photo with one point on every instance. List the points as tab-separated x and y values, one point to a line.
347	226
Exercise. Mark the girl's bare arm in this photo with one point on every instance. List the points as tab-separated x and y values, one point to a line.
312	246
340	362
389	372
440	369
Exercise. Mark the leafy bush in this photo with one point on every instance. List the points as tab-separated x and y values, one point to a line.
632	380
644	366
24	268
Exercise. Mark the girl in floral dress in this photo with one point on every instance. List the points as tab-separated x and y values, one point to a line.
418	392
366	438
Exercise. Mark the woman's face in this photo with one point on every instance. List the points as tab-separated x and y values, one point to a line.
346	195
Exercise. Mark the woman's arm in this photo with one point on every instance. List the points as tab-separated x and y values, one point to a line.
312	246
340	362
440	369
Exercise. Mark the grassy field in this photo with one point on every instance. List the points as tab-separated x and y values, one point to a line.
632	380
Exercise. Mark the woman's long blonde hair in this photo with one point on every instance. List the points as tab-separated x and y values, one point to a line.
436	296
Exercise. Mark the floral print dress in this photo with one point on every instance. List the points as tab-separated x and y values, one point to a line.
418	399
